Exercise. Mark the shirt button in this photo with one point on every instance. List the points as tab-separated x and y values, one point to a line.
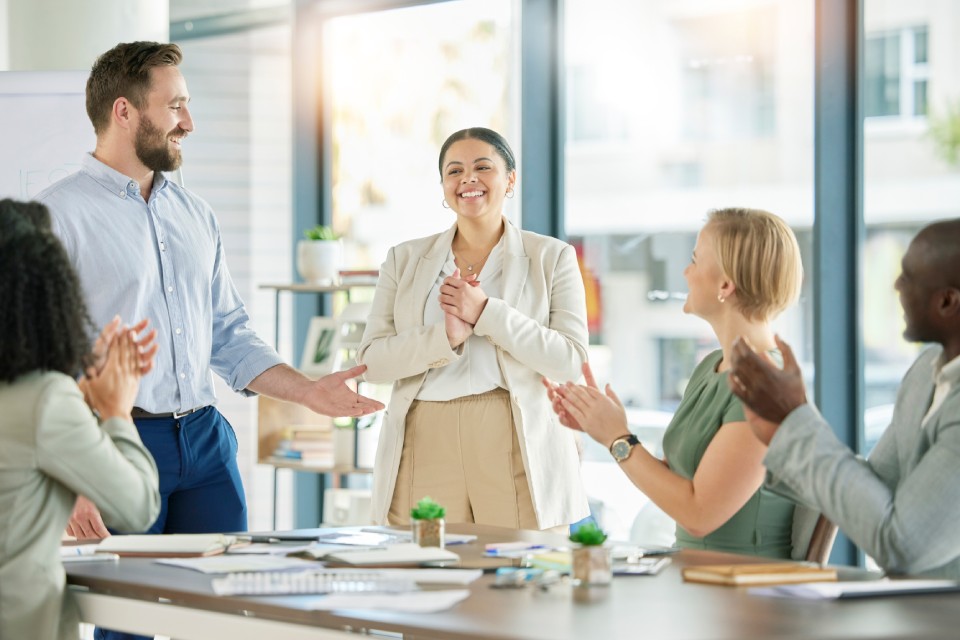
183	376
163	247
123	194
170	289
177	331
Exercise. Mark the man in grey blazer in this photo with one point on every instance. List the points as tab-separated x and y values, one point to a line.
902	506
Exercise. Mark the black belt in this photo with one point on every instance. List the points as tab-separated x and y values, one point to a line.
139	414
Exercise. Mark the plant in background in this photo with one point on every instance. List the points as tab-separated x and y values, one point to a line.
321	232
588	535
945	132
427	509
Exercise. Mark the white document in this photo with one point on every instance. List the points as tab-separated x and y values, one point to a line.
405	553
407	534
240	563
85	553
413	602
182	544
857	589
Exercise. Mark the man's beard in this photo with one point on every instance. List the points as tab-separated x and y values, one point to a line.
153	148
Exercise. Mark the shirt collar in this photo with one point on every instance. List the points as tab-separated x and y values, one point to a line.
115	182
948	372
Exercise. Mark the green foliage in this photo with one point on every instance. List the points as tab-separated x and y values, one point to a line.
321	232
588	535
945	132
427	509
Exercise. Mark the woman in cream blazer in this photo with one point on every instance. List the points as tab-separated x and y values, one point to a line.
535	326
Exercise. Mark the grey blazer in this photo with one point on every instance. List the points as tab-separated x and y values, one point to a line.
902	506
539	327
51	449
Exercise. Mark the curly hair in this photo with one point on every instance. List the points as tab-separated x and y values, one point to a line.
43	318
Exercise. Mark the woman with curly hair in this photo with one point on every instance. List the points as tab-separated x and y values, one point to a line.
52	446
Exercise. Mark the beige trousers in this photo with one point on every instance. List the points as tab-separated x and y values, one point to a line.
464	454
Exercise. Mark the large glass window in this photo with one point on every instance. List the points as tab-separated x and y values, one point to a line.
911	173
435	69
675	109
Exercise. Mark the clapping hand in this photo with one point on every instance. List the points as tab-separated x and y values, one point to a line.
598	413
462	297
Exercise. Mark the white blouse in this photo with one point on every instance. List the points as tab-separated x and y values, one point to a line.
477	370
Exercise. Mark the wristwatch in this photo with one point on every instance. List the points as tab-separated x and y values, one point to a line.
621	447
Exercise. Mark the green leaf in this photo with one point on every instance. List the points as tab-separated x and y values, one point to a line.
321	232
427	509
588	535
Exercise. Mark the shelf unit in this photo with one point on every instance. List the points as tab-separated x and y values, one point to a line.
278	415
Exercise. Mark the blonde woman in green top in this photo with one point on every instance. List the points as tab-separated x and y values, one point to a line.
745	270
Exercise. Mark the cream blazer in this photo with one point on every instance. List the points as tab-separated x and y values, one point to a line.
539	328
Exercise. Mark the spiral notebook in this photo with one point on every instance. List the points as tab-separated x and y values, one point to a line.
305	582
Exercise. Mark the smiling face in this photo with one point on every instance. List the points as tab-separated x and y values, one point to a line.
704	276
164	121
475	179
916	285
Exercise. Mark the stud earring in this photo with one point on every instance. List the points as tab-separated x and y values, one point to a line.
444	203
720	298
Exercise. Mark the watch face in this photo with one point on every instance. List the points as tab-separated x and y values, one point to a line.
620	449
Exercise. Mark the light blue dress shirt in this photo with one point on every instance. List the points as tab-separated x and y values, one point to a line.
161	260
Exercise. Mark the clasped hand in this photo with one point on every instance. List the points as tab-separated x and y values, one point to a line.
462	301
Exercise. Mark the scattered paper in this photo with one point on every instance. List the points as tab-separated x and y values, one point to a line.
406	534
858	589
412	602
240	563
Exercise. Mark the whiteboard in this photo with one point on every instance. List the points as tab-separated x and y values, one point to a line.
45	129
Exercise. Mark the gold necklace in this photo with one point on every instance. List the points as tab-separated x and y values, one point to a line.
476	264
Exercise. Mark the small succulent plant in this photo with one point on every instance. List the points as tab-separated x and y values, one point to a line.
427	509
588	535
321	232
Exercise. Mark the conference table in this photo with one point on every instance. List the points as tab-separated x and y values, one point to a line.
138	595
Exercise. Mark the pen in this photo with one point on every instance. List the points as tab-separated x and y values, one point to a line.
513	551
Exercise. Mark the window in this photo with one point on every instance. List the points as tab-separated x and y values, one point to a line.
450	66
896	72
694	106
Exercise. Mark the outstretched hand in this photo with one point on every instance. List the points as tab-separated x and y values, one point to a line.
331	396
769	393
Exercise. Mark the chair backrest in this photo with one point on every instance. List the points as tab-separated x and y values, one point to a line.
821	542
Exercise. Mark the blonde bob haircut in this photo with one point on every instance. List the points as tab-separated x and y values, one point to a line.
760	255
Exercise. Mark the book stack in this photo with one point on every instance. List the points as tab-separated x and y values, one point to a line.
310	446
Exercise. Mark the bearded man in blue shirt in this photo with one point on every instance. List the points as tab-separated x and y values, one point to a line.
145	247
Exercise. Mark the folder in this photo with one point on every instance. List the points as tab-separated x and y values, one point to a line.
175	545
764	573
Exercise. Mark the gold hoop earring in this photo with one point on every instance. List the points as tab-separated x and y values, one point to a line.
444	203
720	298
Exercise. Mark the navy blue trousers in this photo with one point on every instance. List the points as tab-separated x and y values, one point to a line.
200	487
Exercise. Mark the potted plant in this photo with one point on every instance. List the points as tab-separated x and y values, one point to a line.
591	559
319	255
427	523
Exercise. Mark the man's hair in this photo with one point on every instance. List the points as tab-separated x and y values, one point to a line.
760	254
124	72
491	137
942	240
43	318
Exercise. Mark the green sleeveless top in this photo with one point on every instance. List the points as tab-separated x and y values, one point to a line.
762	526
